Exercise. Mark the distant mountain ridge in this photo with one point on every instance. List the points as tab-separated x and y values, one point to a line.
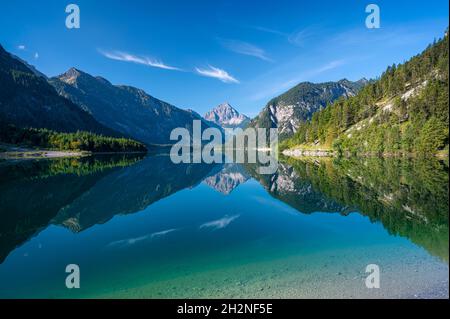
27	100
126	109
31	67
288	110
226	116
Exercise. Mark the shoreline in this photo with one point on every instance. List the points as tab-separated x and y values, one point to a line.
299	153
37	154
12	152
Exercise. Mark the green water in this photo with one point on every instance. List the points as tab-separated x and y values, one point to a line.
146	228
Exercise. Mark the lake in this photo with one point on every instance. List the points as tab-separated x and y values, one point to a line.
143	227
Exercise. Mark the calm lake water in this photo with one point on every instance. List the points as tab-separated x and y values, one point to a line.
142	227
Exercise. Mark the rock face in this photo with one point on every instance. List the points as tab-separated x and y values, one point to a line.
27	100
287	111
226	116
126	109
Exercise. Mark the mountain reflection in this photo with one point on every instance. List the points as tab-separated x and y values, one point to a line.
32	192
228	178
130	190
408	197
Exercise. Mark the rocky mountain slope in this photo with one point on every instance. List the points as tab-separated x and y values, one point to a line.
27	100
226	116
126	109
287	111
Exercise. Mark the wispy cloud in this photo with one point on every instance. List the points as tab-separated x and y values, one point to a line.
219	223
303	76
36	55
329	66
217	73
297	38
394	36
269	30
134	240
244	48
300	37
21	47
127	57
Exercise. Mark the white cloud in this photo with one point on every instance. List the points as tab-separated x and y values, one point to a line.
219	223
245	49
21	47
217	73
36	55
127	57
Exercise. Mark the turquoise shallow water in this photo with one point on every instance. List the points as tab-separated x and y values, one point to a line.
145	228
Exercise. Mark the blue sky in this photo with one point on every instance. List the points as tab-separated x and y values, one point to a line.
197	54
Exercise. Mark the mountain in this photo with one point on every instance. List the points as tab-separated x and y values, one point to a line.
404	112
31	67
287	111
226	116
126	109
27	100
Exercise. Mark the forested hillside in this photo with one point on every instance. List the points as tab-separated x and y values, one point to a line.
404	111
76	141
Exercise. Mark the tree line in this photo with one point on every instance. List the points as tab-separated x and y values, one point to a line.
77	141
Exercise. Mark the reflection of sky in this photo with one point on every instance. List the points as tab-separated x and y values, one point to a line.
219	223
131	241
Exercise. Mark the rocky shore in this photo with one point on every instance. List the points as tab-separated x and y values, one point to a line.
297	152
